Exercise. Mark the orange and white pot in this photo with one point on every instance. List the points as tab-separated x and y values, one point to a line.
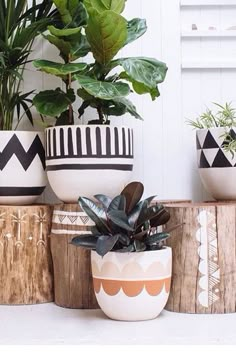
132	286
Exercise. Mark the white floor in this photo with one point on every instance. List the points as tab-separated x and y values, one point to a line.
50	324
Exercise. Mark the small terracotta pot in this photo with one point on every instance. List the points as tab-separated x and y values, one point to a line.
132	286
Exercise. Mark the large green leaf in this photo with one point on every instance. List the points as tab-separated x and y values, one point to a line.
80	46
136	28
63	8
102	89
63	32
103	5
53	103
96	213
147	71
58	69
141	88
72	12
107	34
127	107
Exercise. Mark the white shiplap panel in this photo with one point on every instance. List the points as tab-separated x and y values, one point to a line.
152	110
172	111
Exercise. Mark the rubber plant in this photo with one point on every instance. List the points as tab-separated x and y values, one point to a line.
97	27
20	24
125	223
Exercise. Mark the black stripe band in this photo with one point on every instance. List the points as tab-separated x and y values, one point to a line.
20	191
90	167
48	158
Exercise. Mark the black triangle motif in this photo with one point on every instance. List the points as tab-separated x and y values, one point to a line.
210	142
203	161
61	217
72	218
221	160
198	143
84	219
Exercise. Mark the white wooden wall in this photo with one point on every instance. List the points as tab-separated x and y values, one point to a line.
165	155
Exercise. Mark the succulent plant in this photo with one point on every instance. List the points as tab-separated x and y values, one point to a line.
125	223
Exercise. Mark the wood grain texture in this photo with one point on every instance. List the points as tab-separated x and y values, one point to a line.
26	275
73	284
204	258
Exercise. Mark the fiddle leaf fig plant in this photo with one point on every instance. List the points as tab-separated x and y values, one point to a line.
99	28
125	223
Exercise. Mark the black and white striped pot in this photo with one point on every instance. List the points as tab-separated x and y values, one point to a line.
217	167
88	159
22	167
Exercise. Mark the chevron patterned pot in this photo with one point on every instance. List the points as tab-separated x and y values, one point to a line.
132	286
217	168
88	159
22	167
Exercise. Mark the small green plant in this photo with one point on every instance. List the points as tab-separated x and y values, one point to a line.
125	223
224	117
96	27
20	24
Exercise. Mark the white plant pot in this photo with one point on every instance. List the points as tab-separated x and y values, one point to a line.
217	168
88	159
22	167
132	286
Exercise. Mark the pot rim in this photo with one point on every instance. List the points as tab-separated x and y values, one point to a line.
214	128
165	249
89	126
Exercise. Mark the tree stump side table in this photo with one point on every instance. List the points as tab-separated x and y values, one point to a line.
26	275
73	283
204	258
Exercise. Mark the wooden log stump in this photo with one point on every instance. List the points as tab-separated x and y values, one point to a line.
26	275
204	258
73	283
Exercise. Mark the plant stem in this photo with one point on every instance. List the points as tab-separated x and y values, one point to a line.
101	115
68	87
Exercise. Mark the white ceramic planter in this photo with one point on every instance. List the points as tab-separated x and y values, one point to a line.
132	286
217	168
22	167
88	159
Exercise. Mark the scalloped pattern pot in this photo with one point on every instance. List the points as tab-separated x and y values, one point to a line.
132	286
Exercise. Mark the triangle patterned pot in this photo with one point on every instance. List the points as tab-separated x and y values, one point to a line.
22	167
217	167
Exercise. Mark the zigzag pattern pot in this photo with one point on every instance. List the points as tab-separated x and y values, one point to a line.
22	167
87	160
132	286
217	168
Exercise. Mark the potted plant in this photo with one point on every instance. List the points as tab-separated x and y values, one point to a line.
22	155
84	159
131	267
216	146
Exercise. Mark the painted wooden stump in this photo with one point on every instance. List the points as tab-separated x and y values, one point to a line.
26	275
72	265
204	258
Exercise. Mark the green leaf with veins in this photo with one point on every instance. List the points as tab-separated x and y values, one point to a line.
58	69
106	34
53	102
63	32
102	89
136	28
